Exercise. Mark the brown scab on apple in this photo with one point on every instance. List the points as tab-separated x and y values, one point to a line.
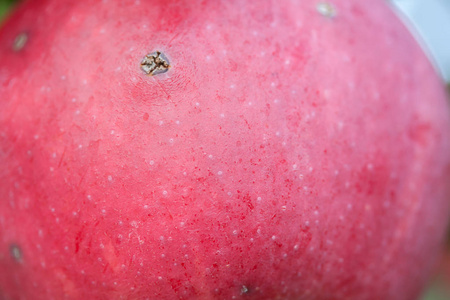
155	63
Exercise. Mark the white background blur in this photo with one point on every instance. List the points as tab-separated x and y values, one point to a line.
431	20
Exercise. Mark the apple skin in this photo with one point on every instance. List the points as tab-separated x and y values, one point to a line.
288	153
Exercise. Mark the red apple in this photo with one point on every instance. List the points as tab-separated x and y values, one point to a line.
291	150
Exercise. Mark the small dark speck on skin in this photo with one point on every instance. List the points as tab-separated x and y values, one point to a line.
16	253
20	41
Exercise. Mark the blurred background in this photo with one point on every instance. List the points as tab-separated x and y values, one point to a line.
429	20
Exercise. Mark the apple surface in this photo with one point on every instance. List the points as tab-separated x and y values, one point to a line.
218	150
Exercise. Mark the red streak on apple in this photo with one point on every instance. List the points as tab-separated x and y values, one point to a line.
292	150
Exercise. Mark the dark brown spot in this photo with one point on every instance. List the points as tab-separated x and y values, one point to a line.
155	63
20	41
